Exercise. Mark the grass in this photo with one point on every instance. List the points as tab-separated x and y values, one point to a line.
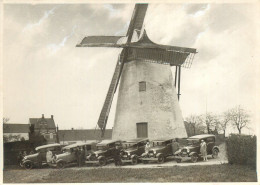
214	173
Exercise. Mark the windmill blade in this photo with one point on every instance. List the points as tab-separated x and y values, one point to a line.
137	20
102	41
103	117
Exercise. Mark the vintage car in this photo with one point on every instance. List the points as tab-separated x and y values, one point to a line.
132	150
192	150
69	153
161	148
105	152
39	158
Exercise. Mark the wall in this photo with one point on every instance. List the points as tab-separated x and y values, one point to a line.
158	105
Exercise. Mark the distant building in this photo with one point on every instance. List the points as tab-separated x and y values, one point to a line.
73	136
15	132
45	127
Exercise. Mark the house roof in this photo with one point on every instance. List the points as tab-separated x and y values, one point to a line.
37	122
83	135
16	128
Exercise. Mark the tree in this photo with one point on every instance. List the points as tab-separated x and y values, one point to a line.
194	124
225	120
211	122
5	120
240	118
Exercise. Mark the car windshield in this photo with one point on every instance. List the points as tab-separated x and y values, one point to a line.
193	142
158	143
102	147
129	145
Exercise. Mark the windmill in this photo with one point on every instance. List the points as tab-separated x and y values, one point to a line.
146	64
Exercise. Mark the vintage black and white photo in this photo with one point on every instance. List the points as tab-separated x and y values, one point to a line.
130	92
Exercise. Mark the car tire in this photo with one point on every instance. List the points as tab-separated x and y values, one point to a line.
215	153
178	160
28	165
61	164
102	161
134	160
160	159
194	158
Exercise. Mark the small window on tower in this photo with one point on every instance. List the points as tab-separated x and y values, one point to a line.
142	86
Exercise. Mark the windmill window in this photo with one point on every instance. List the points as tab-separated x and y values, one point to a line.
142	86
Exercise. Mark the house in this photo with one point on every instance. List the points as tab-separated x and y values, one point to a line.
15	132
73	136
45	127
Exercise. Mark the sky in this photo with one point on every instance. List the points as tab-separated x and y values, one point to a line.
44	73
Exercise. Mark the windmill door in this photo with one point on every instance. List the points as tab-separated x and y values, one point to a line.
142	130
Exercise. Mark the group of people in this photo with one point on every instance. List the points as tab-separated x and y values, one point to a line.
22	154
80	155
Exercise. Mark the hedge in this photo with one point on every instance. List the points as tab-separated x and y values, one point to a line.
241	149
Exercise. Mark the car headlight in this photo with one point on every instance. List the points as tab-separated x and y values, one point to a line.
154	151
25	158
128	153
188	150
96	155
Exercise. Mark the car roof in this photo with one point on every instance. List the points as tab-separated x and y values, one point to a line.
80	144
201	136
136	140
47	146
162	139
105	142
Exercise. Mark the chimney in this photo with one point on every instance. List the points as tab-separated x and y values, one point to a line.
52	117
42	115
72	128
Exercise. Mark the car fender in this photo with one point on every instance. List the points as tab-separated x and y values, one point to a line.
157	155
59	160
132	156
100	157
177	152
190	154
215	147
27	161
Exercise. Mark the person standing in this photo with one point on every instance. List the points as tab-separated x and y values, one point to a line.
117	157
49	156
20	158
147	147
175	146
203	150
80	156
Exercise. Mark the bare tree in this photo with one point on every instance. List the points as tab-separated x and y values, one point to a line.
195	123
5	120
240	118
211	122
225	120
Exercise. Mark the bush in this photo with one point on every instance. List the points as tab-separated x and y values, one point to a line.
241	149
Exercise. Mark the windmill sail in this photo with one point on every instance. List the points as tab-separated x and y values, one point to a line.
102	121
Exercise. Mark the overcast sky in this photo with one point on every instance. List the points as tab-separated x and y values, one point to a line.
44	73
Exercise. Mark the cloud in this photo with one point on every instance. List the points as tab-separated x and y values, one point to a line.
55	47
44	17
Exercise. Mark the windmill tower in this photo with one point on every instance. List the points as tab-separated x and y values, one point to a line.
147	104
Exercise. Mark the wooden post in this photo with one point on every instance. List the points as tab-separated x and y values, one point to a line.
179	83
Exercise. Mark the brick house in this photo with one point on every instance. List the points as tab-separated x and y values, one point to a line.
45	127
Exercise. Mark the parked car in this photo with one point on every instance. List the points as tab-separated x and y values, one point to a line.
69	153
39	158
160	150
105	152
132	150
192	150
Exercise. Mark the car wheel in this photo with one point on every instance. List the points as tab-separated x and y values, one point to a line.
61	164
102	161
28	165
215	153
161	159
194	158
178	160
134	160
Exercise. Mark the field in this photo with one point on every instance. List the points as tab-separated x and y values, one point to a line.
195	173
